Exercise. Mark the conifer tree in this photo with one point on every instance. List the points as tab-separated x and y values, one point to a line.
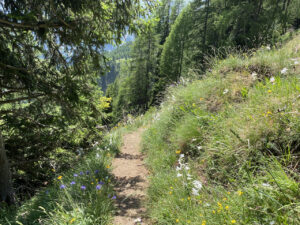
50	55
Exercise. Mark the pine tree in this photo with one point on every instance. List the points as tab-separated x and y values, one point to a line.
50	57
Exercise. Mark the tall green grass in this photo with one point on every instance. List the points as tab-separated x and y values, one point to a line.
239	131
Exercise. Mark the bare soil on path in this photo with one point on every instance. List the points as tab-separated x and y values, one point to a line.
131	181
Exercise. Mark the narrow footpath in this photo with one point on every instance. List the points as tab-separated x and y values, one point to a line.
131	181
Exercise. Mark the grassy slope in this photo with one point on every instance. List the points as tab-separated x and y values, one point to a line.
72	204
240	137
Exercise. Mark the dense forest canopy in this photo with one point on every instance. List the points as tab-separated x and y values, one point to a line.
51	53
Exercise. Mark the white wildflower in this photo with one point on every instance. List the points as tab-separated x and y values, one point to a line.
195	191
284	70
254	76
225	91
194	139
179	175
207	204
180	160
178	168
189	177
95	144
266	185
157	117
186	167
181	156
197	184
138	220
268	47
199	147
272	80
272	222
296	63
97	155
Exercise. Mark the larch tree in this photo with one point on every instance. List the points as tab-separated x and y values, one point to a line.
172	57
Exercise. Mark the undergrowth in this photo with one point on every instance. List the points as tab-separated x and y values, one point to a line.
82	195
225	149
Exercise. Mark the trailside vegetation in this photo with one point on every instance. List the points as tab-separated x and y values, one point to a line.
225	149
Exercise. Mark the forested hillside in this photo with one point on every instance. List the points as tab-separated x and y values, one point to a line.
179	40
210	88
115	59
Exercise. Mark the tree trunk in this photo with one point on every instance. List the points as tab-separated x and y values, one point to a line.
181	58
205	30
6	191
286	16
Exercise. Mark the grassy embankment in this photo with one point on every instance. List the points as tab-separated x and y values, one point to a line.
225	149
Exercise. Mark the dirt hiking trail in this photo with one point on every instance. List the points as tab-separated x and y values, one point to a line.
131	181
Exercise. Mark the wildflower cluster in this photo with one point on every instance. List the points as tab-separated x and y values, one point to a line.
183	170
225	91
93	182
295	62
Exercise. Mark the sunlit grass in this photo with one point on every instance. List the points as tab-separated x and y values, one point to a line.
238	129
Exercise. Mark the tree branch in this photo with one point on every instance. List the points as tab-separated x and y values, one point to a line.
14	164
31	26
12	88
13	68
9	92
21	99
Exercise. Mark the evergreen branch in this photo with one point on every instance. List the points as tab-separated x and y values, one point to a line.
9	92
33	26
28	161
12	88
21	99
13	68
